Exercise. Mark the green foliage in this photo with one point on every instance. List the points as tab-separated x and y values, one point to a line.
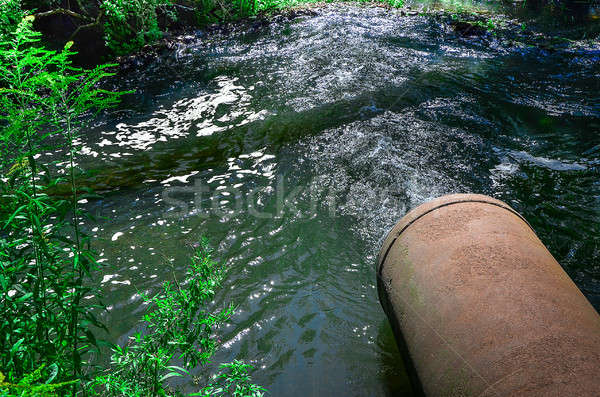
11	14
209	11
131	24
43	256
395	3
128	25
46	265
232	381
34	385
180	329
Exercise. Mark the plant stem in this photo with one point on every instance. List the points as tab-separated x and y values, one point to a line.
77	267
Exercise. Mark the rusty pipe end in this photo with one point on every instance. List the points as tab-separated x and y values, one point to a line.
431	206
479	307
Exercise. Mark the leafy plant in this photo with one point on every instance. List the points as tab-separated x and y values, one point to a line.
180	330
396	3
44	257
33	385
131	24
232	381
11	14
46	265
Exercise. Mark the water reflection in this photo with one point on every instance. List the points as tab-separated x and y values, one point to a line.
379	110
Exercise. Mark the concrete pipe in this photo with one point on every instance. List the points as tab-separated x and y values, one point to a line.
479	307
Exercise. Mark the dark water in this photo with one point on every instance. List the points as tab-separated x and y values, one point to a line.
354	116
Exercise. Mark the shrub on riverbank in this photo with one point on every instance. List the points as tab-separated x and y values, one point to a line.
123	26
45	258
48	272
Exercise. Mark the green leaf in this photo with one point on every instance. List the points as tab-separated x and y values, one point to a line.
170	375
53	372
15	213
24	297
90	337
175	367
16	347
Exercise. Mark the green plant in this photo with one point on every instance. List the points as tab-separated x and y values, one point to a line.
208	11
11	14
130	24
395	3
46	265
234	381
180	329
33	385
45	259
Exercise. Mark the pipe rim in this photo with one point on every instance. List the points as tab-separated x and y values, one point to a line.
431	206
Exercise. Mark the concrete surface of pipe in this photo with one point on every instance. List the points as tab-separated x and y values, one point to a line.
481	308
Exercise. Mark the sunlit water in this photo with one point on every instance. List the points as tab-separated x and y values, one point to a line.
295	147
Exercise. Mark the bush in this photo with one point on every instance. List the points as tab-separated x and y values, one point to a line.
180	329
43	258
46	265
35	385
131	24
10	16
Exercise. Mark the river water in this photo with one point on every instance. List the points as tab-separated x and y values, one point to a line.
295	146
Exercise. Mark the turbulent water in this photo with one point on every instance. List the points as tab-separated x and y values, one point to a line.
295	146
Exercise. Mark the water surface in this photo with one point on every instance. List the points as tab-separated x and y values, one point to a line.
349	119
